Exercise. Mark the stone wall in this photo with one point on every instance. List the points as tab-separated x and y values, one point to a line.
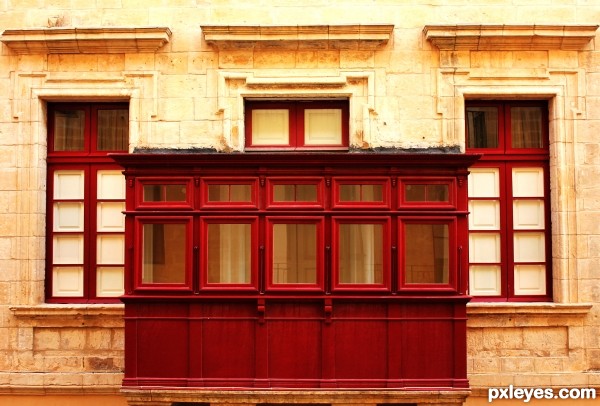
405	93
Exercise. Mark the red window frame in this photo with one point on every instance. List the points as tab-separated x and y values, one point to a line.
338	285
451	222
187	284
506	158
383	275
90	160
296	108
384	182
272	182
319	284
229	181
141	203
205	284
427	203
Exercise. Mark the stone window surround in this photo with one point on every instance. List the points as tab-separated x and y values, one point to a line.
563	89
465	84
236	86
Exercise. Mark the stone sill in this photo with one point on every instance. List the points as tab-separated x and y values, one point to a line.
86	40
359	396
357	37
62	315
510	37
531	309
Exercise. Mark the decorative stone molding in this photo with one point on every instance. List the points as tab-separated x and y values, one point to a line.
359	37
527	309
565	91
29	92
86	40
510	37
61	315
234	87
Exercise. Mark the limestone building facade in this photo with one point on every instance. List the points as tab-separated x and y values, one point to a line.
434	77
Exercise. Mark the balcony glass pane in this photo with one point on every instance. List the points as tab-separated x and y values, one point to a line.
294	253
164	253
360	253
229	253
426	249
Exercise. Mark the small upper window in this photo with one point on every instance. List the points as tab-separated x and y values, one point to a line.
516	127
272	125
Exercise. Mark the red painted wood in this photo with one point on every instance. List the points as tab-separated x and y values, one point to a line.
356	337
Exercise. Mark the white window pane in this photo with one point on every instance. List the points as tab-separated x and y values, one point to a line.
323	126
484	280
109	281
68	185
484	215
528	182
110	216
530	280
68	216
67	249
530	247
484	182
67	281
270	127
110	249
528	214
111	185
484	247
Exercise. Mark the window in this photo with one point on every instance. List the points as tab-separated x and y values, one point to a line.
86	198
361	252
272	125
229	255
267	229
509	222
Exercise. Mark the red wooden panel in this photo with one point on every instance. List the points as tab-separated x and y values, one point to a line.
294	339
294	350
228	349
162	347
360	342
428	348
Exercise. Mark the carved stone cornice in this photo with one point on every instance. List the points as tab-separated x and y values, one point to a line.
86	40
510	37
358	36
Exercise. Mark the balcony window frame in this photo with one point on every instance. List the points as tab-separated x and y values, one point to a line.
453	254
183	287
205	284
319	285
